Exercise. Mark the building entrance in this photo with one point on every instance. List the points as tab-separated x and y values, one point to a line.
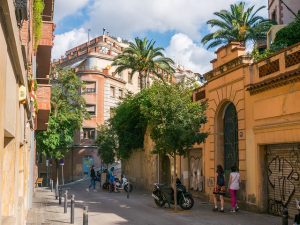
231	148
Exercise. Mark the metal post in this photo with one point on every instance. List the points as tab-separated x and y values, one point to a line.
62	175
51	184
85	215
66	201
59	195
56	190
128	188
285	217
72	208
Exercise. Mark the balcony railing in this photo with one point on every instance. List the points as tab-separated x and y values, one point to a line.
278	69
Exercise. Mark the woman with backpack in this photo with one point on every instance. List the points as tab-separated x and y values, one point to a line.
234	186
220	188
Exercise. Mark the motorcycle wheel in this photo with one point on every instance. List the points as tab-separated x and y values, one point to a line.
160	203
186	203
105	186
128	189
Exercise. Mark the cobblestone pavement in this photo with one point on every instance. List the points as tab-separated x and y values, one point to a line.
116	209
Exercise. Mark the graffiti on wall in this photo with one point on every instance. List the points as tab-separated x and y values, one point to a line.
283	179
196	173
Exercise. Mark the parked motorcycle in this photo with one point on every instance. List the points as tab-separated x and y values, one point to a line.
163	194
120	185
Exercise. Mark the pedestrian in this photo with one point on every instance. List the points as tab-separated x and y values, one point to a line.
220	188
234	186
297	216
112	180
93	179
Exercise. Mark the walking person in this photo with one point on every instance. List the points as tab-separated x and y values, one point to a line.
234	186
220	188
93	179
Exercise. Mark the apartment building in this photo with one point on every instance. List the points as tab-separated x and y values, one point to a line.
104	89
21	94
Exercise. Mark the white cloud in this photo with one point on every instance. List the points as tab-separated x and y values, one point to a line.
125	18
64	8
187	53
68	40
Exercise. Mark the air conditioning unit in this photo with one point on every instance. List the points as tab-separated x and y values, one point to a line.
272	34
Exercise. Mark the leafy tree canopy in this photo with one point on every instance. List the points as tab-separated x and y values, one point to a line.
130	124
66	116
174	118
239	24
288	35
107	143
144	58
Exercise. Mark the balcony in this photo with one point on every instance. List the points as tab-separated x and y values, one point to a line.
280	68
43	101
47	33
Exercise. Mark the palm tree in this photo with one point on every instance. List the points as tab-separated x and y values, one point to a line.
144	58
239	24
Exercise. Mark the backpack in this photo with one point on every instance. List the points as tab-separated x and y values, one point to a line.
220	180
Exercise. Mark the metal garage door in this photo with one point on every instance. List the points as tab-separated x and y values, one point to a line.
283	166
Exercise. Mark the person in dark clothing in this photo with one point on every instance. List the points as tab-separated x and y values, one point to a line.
297	217
93	179
220	188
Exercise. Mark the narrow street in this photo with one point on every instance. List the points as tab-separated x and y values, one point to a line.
114	208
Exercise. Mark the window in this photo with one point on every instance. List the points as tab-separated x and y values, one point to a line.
129	78
112	92
121	93
91	109
274	15
89	133
90	87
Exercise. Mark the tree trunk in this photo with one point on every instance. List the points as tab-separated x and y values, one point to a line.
141	81
174	184
56	172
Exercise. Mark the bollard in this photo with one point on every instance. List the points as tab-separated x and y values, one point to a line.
51	185
285	217
128	189
85	215
72	208
66	202
56	191
59	195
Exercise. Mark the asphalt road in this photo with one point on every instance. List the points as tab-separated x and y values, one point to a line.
115	209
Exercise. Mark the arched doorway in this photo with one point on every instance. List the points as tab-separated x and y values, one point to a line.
231	148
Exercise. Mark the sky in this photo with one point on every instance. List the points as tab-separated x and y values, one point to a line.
175	25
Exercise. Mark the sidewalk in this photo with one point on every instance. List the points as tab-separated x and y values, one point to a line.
46	210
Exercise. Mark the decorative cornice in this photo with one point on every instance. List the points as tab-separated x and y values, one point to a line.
280	80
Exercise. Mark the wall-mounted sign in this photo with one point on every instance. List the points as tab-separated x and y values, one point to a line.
22	94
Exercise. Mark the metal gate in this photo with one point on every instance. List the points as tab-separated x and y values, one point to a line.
283	167
231	144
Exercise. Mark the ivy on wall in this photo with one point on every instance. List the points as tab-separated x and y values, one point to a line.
38	8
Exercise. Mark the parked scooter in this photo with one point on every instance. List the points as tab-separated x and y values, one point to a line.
122	184
163	194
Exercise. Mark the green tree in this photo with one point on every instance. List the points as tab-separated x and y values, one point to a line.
288	35
240	24
144	58
107	143
66	116
174	120
130	124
